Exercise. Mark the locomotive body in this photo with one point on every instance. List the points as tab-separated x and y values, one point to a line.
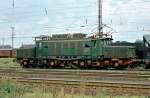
76	53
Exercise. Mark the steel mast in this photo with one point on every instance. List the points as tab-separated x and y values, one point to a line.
100	27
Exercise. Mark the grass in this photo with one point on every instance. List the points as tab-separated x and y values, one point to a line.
8	62
11	89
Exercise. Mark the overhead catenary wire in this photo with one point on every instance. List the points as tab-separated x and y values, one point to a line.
35	15
59	10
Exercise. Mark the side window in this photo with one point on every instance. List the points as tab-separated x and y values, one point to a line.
40	44
45	46
94	43
87	45
100	43
105	43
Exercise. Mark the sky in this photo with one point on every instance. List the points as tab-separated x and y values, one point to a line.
130	19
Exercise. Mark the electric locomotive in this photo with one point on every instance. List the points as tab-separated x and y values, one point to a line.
75	51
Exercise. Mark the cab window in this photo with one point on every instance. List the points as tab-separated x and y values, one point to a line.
40	44
87	45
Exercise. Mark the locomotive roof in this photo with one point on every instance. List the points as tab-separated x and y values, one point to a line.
72	39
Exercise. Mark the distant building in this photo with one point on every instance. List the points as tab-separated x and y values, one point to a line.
5	47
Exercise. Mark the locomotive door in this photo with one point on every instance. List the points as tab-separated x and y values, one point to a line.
94	49
45	51
87	48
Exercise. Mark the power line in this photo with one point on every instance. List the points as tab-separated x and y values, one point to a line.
56	8
75	17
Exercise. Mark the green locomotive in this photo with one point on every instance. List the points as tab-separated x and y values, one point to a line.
75	51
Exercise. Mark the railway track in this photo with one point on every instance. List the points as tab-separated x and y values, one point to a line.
135	80
144	75
74	77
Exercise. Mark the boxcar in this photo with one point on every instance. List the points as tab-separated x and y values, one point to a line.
7	53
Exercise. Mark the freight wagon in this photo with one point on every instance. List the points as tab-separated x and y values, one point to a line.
7	53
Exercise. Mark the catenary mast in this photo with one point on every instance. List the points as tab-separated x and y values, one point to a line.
100	27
